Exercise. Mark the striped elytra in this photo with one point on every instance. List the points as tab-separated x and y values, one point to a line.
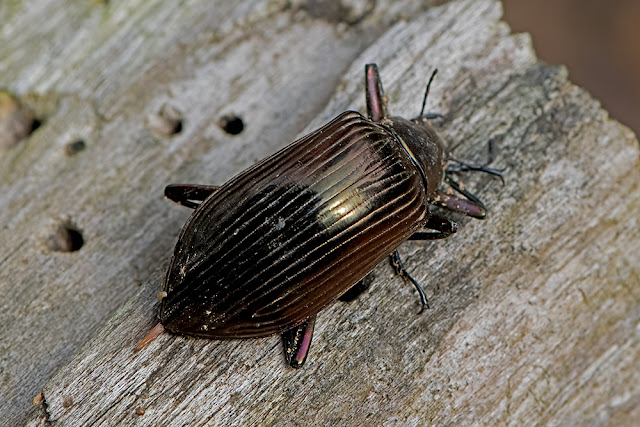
280	241
268	250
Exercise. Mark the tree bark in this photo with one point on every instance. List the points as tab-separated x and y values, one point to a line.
534	312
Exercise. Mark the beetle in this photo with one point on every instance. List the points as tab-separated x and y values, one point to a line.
268	250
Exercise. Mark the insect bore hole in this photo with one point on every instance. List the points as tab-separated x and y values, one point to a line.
165	123
64	237
74	147
17	122
35	125
231	124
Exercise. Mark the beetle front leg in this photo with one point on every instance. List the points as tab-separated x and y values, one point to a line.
467	207
376	101
189	195
472	206
471	200
297	341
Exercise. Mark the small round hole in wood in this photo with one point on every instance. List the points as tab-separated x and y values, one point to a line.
231	124
74	147
64	237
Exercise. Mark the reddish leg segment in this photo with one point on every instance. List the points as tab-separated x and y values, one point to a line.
297	342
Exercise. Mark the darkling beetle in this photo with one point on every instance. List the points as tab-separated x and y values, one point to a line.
268	250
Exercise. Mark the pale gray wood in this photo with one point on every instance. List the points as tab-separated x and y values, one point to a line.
535	315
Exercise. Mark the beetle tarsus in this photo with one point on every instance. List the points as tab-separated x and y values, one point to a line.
433	116
398	266
297	341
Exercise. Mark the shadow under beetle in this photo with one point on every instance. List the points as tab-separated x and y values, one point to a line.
265	252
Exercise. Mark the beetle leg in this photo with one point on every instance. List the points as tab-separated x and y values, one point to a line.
465	167
442	228
463	206
398	266
460	189
189	195
357	289
376	101
472	206
297	341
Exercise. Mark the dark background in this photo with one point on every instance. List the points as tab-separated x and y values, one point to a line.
599	42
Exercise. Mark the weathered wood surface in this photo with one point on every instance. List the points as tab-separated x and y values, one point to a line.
535	314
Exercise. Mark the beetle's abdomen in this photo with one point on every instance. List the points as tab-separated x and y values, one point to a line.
281	240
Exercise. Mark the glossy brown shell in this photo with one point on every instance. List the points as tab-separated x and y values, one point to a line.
283	239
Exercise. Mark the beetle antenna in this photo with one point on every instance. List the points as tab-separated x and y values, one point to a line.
426	92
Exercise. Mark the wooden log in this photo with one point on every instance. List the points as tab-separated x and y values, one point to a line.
534	313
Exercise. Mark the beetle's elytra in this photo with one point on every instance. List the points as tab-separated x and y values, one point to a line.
265	252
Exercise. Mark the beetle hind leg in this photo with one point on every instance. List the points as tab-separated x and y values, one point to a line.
189	195
297	341
150	337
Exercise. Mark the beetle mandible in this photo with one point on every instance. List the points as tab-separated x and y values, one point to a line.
265	252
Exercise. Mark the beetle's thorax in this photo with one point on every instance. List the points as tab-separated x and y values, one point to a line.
423	145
